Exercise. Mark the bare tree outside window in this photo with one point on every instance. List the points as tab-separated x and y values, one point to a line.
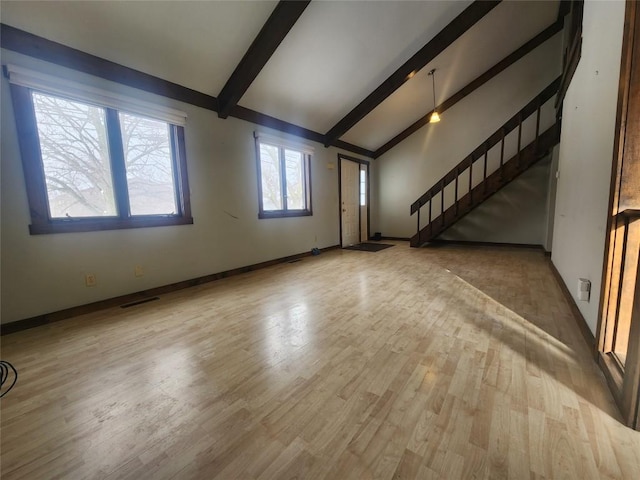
284	180
75	157
89	166
270	169
295	179
149	166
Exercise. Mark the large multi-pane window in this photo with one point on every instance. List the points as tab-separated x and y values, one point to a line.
94	167
283	179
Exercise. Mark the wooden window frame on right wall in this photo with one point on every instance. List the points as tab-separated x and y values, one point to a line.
618	335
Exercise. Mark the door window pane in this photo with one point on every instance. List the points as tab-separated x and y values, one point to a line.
149	165
75	157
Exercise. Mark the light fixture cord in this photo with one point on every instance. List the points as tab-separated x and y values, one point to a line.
433	77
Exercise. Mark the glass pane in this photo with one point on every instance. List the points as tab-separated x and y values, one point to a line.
75	157
271	186
295	180
363	188
149	165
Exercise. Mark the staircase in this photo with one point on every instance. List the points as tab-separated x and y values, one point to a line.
474	179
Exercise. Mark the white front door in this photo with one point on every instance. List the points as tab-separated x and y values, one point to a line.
350	192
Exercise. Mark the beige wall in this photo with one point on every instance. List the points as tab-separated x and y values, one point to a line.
409	169
45	273
515	214
586	152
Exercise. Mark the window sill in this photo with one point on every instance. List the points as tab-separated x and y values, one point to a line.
285	214
92	225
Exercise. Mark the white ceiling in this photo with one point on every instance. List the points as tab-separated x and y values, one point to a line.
197	44
499	33
336	54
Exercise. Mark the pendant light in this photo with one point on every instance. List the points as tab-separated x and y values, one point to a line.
435	118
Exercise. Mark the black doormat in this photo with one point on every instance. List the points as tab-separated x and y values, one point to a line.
369	247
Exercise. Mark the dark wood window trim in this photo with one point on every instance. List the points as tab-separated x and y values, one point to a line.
285	212
34	46
41	221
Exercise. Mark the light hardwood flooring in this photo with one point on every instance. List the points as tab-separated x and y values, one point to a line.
452	362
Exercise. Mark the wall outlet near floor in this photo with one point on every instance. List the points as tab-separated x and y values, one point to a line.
138	271
90	280
584	289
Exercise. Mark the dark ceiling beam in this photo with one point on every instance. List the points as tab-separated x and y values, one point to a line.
34	46
458	26
271	122
503	64
277	26
563	8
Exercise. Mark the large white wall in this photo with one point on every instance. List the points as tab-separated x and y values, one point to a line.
586	152
413	166
45	273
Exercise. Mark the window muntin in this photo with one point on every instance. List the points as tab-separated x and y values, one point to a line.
76	168
284	180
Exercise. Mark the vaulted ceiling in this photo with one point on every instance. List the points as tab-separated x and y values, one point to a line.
334	56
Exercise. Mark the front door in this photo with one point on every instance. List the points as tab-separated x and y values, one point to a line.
350	199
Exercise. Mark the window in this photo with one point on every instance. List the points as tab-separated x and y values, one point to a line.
363	187
91	166
283	179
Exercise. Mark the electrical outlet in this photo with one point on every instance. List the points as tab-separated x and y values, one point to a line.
90	280
138	271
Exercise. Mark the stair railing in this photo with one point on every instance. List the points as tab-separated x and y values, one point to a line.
481	153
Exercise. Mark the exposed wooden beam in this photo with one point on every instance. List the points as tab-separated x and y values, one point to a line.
32	45
271	122
26	43
563	8
458	26
277	26
503	64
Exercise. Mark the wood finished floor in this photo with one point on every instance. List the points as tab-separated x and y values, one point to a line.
453	362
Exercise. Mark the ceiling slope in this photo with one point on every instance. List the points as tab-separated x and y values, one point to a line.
509	60
340	51
506	28
192	43
305	64
282	19
432	49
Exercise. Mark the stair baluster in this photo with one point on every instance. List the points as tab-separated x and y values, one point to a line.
491	182
484	171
